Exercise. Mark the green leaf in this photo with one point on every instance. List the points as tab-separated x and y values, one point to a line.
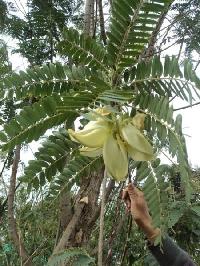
82	49
130	30
196	209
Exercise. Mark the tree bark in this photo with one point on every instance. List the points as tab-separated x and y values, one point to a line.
149	52
89	18
101	21
86	207
12	226
101	227
65	214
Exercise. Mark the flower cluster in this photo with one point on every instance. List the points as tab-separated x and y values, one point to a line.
117	139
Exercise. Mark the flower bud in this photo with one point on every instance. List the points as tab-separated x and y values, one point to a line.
138	121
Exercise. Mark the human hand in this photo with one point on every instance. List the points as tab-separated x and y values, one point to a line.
137	205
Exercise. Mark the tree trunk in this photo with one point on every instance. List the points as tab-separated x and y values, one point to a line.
12	226
65	214
101	21
86	212
89	17
86	207
77	231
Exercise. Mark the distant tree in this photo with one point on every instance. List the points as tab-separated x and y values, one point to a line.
38	28
187	26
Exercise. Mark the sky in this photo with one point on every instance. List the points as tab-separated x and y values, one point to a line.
191	121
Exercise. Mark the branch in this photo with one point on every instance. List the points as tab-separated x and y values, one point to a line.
70	228
187	106
108	191
3	205
101	226
101	22
1	173
130	221
151	46
12	226
197	65
4	165
180	50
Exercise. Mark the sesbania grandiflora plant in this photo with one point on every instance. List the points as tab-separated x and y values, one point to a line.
117	137
105	75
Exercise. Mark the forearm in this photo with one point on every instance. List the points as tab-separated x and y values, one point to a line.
170	254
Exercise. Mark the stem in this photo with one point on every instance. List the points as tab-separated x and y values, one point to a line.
127	239
187	106
180	50
197	65
100	248
151	45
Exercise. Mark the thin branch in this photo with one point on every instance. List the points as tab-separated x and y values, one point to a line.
12	226
23	12
164	49
180	50
185	107
197	65
130	221
168	157
172	98
35	252
101	226
175	20
1	175
151	45
107	196
4	165
3	205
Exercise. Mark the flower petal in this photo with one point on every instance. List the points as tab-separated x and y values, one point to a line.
139	156
136	139
115	158
103	111
90	152
93	135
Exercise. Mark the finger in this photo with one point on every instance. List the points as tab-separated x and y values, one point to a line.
127	204
125	193
128	210
131	190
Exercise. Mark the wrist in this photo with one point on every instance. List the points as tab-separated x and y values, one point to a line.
150	231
